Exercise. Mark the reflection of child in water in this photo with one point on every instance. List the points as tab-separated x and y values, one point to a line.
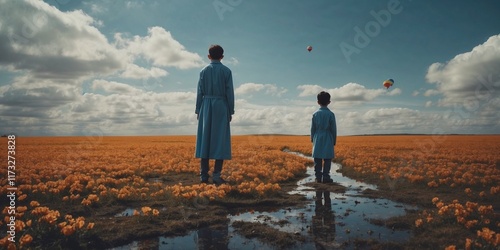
323	222
213	238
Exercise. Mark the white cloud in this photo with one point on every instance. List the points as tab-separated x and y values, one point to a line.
469	86
134	4
249	88
348	93
231	61
471	75
136	72
27	92
431	92
375	121
355	92
261	119
51	54
161	49
114	87
54	44
137	113
394	92
309	90
96	8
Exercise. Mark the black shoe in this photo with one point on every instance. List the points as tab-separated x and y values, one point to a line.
327	181
219	181
204	181
318	180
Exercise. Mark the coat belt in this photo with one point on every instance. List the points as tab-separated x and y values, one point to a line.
213	96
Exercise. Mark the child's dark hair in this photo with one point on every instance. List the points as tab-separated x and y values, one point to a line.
323	98
216	52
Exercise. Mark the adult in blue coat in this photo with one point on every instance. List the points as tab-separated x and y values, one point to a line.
214	109
324	138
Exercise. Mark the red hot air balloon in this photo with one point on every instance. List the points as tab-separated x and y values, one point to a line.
309	48
388	83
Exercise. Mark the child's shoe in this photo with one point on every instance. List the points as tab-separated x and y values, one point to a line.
219	181
327	180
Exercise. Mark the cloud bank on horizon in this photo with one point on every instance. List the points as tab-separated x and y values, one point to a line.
65	72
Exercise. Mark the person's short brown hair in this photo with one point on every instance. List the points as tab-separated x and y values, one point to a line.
216	52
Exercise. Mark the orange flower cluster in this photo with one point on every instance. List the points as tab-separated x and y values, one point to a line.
471	215
199	190
46	215
489	236
71	225
40	218
90	199
146	211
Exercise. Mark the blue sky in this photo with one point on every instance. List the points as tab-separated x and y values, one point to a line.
113	67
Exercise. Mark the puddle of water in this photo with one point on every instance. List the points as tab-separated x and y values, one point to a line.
204	238
126	212
329	220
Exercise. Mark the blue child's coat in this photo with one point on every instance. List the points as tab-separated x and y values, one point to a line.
214	105
323	133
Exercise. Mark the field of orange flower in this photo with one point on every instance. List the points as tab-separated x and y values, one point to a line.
84	173
465	168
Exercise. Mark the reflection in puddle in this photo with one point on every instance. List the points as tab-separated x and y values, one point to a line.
204	238
330	220
126	212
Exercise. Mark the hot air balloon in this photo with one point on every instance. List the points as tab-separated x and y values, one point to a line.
388	83
309	48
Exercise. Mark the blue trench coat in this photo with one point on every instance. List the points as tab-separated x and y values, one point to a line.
323	133
214	106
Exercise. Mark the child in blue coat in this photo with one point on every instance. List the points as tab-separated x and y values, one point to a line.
214	109
324	138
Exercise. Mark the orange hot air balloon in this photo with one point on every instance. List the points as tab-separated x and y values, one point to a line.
388	83
309	48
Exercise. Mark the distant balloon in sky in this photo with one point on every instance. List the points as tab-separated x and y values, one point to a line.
309	48
388	83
